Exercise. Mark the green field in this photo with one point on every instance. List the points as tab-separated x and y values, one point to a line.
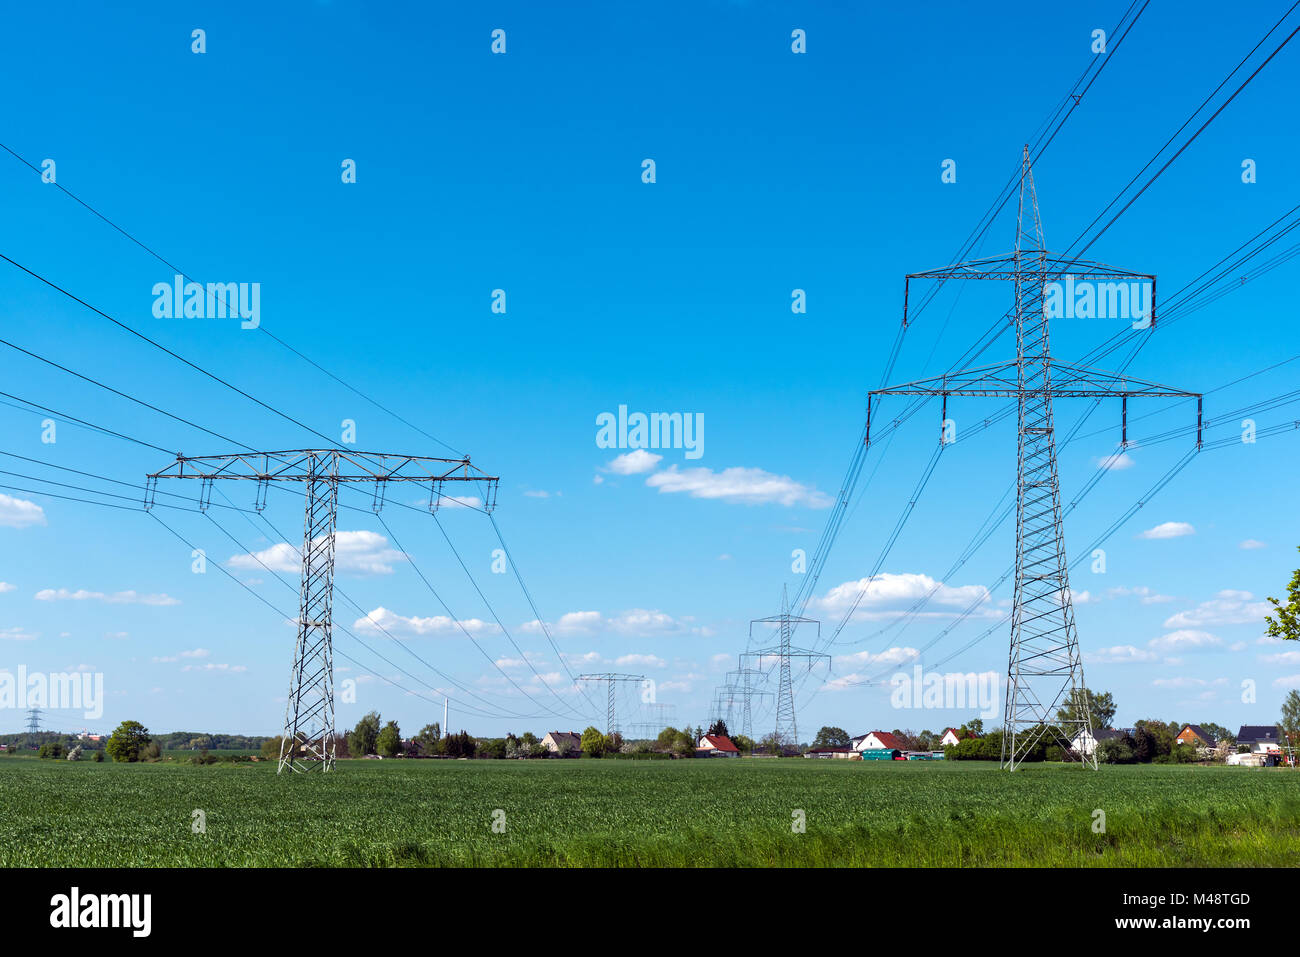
635	813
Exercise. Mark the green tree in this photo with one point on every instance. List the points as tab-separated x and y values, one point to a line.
1218	732
1100	706
364	738
719	727
429	738
666	738
744	743
975	726
128	741
830	737
389	741
1287	623
1289	723
593	743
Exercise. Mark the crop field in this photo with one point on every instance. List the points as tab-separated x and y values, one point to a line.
645	813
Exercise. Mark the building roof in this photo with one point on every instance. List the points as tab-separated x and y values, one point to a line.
571	736
886	739
829	750
1102	734
1200	732
956	733
717	742
1257	732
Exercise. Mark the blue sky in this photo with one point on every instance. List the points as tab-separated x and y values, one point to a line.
523	172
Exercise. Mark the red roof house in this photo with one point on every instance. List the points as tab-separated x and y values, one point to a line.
717	746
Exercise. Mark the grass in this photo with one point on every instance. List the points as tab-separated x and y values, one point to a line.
652	813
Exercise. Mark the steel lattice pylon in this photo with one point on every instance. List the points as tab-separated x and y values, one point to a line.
611	711
1044	668
308	743
787	727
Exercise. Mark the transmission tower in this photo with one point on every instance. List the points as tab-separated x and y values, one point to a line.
1044	669
742	684
787	729
309	735
33	725
611	680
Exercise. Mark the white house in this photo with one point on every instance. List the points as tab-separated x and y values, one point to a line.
570	740
877	740
1260	738
717	746
953	736
1086	742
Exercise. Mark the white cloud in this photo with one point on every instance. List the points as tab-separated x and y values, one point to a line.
890	656
195	653
1252	543
1146	594
1230	607
6	587
1183	639
1116	462
641	661
355	552
1289	681
636	622
740	486
633	463
17	634
1169	530
116	598
381	620
20	513
454	501
1119	655
210	666
1282	658
889	595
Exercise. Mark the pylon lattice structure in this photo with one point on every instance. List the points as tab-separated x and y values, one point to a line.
1044	670
33	724
309	734
787	727
740	685
611	680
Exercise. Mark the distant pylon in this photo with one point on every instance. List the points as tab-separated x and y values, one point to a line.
787	727
1044	669
611	710
33	724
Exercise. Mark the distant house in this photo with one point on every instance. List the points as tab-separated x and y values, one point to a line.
830	753
1085	742
877	741
1196	735
562	742
716	746
1260	738
953	736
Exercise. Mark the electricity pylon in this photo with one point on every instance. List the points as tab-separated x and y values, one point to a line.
787	728
309	735
742	684
1044	669
611	679
33	724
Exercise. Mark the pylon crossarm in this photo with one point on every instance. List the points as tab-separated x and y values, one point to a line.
302	465
1042	267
